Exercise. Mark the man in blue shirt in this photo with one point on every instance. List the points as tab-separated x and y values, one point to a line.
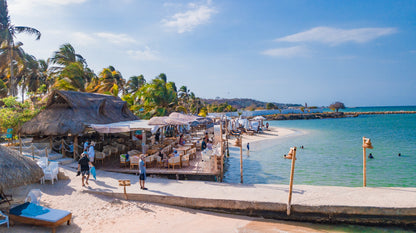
142	176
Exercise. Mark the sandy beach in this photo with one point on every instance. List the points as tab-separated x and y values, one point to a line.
104	214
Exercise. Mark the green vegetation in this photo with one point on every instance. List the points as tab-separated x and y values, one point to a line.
14	113
336	106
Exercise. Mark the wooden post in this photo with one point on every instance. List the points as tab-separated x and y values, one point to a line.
62	147
143	141
241	158
364	165
33	151
75	145
20	145
50	142
124	183
292	171
162	134
46	152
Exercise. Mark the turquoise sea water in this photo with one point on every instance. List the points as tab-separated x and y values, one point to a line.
332	153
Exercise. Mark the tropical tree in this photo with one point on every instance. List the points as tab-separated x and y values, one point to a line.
30	76
14	113
8	33
135	83
270	106
183	95
336	106
109	81
68	70
65	56
158	98
72	78
16	56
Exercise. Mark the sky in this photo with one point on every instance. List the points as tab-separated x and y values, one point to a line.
362	53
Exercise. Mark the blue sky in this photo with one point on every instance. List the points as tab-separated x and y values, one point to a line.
362	53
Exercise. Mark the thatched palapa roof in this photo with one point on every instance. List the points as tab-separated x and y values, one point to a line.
71	112
16	170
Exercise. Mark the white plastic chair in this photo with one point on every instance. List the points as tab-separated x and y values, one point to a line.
51	172
6	220
34	196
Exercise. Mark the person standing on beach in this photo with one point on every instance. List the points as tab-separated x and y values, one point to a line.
86	145
203	144
142	176
91	152
248	146
84	168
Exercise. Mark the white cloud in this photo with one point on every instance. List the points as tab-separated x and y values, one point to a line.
144	55
295	51
335	36
82	38
187	21
116	38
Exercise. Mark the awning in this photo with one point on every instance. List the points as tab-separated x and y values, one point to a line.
124	126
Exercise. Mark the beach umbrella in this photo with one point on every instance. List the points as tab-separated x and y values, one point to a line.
259	118
158	120
17	170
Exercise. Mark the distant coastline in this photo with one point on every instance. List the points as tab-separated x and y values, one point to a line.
325	115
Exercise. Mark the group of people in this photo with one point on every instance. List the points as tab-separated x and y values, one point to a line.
370	156
85	162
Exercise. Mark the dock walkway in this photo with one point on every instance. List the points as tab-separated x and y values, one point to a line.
356	205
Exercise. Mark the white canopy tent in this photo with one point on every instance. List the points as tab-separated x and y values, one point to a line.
127	126
124	126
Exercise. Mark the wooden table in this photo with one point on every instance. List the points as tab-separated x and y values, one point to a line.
182	148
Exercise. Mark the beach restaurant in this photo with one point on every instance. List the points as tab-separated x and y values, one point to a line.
75	117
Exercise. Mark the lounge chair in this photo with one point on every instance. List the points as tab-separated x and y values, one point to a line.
30	213
5	220
5	198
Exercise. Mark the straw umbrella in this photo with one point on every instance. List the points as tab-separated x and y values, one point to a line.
17	170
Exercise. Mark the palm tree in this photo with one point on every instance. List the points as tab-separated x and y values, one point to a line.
30	77
109	81
135	83
65	56
8	33
72	78
159	97
69	70
16	55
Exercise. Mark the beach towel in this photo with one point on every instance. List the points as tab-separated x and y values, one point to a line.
30	209
93	173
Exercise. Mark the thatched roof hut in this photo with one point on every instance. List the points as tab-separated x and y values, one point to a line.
16	170
70	112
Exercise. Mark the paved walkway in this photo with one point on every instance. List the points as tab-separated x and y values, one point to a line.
302	194
378	203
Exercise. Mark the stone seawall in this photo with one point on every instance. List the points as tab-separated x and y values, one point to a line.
306	116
